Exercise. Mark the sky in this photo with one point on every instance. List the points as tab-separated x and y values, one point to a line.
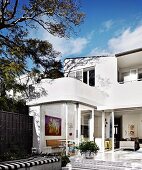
110	27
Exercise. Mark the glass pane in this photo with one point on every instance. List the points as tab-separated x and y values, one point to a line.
133	71
72	74
92	77
85	77
125	76
85	118
79	75
133	74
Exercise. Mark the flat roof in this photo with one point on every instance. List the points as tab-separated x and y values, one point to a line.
73	58
128	52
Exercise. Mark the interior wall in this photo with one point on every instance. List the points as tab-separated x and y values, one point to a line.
98	127
132	118
58	110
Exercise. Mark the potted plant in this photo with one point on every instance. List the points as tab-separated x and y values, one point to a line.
88	148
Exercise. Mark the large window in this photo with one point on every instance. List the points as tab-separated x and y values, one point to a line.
79	75
140	73
89	76
131	75
76	74
86	75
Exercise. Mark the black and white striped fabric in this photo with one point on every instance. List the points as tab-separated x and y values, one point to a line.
28	163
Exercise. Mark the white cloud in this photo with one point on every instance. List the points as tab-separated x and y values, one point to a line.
98	52
127	40
67	47
106	26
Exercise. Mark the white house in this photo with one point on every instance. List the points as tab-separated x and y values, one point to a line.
98	97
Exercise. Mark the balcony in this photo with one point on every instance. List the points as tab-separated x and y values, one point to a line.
125	95
67	89
129	66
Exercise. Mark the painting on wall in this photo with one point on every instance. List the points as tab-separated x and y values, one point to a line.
131	129
52	126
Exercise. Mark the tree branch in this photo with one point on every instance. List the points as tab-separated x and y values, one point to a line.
14	11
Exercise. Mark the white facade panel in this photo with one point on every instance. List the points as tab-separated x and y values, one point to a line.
58	110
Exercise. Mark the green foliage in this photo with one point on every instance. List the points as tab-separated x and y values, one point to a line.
10	155
88	146
64	160
17	17
11	105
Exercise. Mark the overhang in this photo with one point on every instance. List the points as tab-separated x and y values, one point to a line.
129	58
68	90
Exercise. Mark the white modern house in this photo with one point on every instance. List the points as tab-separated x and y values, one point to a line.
100	98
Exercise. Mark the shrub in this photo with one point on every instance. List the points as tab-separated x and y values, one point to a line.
88	146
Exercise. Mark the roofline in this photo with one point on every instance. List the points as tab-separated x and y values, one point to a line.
85	57
128	52
62	101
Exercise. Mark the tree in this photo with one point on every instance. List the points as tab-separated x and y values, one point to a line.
58	17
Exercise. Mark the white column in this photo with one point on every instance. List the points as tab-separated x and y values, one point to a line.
79	125
66	108
91	128
112	116
103	131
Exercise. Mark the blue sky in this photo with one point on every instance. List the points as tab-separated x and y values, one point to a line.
110	26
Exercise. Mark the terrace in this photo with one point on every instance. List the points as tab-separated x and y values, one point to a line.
119	159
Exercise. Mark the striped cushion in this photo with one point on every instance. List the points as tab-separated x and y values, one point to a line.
28	163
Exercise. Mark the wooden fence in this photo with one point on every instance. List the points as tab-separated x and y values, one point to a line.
16	132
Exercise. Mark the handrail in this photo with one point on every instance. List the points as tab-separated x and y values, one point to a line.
122	82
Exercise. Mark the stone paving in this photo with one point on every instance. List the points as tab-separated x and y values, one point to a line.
119	160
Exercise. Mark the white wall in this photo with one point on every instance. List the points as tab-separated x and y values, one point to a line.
132	118
35	112
106	73
58	110
124	96
68	89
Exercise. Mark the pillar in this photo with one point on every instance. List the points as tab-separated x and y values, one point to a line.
112	115
103	131
79	125
91	128
66	108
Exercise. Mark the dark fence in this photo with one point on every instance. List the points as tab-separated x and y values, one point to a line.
16	132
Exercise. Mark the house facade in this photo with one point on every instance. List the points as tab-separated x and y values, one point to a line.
100	98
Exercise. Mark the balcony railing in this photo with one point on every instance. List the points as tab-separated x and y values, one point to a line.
122	82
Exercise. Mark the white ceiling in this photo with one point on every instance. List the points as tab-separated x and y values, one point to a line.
130	60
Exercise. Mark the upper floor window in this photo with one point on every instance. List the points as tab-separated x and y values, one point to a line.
86	75
130	75
89	77
76	74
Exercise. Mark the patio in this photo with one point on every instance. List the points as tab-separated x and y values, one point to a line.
108	160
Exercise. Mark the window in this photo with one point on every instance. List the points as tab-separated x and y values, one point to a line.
130	75
125	76
79	75
140	73
89	76
71	74
76	74
133	74
86	75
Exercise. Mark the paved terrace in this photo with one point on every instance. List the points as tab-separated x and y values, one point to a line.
119	160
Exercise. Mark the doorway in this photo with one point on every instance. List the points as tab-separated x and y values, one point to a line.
117	131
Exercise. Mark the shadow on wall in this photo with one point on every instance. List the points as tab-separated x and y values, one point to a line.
35	138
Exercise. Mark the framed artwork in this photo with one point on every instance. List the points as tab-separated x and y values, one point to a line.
52	126
131	130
